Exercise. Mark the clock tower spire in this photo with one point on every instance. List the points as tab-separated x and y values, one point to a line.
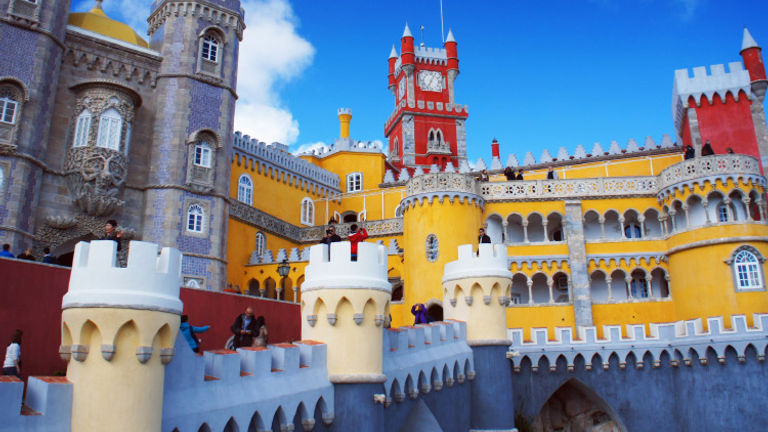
427	127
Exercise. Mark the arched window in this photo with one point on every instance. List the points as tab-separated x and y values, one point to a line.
747	266
307	211
82	129
632	230
432	248
195	216
245	189
355	182
210	49
110	124
8	106
261	244
399	211
203	154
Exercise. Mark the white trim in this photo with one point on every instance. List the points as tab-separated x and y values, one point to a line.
307	211
355	179
245	190
196	225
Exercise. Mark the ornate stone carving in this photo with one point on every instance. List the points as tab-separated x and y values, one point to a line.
95	177
565	189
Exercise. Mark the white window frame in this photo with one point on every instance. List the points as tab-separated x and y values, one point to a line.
245	189
723	212
747	269
203	154
8	104
261	244
195	218
110	128
354	182
82	129
210	49
307	211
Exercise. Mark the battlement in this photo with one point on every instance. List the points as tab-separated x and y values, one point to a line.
675	342
431	55
344	111
47	407
490	261
276	157
426	357
717	81
251	386
150	281
338	271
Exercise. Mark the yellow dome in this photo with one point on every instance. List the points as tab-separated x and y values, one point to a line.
97	21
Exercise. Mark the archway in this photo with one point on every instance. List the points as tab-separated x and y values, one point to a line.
576	407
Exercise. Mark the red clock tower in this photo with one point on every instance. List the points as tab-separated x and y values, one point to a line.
427	126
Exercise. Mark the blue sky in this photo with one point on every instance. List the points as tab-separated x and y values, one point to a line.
535	75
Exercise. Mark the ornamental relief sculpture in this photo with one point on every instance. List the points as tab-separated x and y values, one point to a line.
95	175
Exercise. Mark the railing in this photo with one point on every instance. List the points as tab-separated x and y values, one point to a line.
383	227
563	189
708	166
441	182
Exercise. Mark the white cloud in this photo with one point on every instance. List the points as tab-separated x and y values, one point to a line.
308	147
272	53
134	13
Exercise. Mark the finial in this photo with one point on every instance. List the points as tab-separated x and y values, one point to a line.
98	4
407	31
422	36
393	53
748	41
450	36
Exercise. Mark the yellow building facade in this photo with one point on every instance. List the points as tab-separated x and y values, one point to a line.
626	236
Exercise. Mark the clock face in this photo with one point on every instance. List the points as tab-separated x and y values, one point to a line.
431	81
401	89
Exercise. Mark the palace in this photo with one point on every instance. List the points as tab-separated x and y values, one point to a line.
615	265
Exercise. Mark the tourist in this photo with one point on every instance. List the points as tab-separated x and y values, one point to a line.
48	258
483	175
688	152
483	237
12	363
111	232
419	312
519	175
189	332
707	150
26	255
245	327
330	236
509	174
551	174
356	236
6	252
729	150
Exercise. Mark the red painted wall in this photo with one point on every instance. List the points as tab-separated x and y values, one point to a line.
728	124
31	301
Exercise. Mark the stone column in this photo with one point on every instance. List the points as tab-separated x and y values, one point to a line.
609	281
550	282
628	281
705	204
525	231
577	261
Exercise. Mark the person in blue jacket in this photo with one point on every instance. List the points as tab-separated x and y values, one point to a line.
189	333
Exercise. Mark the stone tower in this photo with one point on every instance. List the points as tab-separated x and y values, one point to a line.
344	304
427	126
32	47
119	326
188	181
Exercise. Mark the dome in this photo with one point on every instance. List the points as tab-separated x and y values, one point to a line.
97	21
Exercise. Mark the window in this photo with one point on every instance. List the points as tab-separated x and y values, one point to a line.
432	248
110	123
8	107
210	49
639	287
244	188
203	155
399	211
747	269
82	129
261	244
195	218
515	299
722	212
355	182
632	230
307	212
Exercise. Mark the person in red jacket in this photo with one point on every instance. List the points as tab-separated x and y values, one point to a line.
356	236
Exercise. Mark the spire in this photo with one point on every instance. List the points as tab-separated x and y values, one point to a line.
749	41
98	4
393	54
407	31
450	36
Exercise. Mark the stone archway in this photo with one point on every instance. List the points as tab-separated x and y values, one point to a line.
576	407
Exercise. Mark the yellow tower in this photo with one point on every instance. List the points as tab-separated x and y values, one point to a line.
345	118
344	304
476	290
119	326
441	211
